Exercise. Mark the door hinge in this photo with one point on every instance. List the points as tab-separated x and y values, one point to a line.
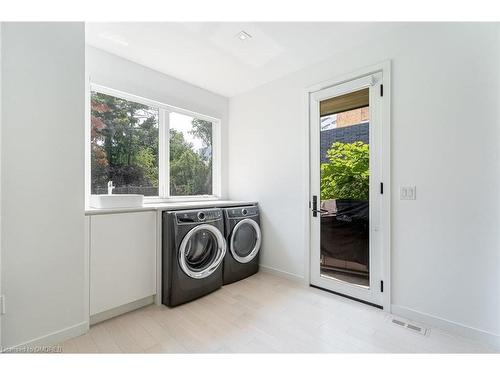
2	305
381	90
315	206
381	286
381	188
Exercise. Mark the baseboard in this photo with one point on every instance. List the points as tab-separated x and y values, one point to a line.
283	274
50	339
120	310
486	337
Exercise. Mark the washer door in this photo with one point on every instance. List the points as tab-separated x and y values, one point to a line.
202	251
245	240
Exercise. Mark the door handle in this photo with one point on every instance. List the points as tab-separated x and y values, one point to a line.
314	209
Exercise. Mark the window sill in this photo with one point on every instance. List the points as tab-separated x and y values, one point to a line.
195	198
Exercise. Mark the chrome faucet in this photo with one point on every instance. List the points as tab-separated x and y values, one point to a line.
110	187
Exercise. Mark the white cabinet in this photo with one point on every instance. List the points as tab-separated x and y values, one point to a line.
122	259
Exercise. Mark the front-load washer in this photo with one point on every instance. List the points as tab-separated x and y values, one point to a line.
244	238
193	251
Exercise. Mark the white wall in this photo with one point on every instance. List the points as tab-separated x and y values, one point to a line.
445	140
1	178
42	180
117	73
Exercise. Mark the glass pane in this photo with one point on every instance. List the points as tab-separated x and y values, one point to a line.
201	250
344	138
124	146
190	155
244	240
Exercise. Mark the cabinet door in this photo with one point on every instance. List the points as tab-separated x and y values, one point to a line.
122	259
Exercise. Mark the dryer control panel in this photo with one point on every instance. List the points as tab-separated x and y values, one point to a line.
241	212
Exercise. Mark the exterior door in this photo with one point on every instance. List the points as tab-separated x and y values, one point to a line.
346	187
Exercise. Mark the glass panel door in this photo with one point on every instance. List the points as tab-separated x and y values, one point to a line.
345	160
345	196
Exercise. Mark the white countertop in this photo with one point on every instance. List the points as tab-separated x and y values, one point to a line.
165	206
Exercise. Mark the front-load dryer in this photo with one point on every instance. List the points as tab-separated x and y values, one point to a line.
244	238
193	252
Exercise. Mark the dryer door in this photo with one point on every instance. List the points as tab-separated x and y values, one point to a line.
245	240
202	251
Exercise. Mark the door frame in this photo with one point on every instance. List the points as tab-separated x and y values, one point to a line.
385	141
2	298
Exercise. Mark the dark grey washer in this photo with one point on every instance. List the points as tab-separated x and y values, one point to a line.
244	240
193	251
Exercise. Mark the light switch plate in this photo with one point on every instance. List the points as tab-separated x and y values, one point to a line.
408	193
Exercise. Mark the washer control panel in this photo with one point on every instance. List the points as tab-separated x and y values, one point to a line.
241	212
198	216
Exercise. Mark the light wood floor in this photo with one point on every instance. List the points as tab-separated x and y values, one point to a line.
263	313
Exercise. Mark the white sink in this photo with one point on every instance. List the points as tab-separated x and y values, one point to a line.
116	200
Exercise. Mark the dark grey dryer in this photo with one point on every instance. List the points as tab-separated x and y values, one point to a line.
193	250
244	238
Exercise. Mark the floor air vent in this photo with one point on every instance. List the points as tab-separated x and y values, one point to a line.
410	326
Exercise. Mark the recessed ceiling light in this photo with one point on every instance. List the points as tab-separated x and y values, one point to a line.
243	35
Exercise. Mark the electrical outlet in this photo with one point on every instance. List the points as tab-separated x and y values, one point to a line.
408	193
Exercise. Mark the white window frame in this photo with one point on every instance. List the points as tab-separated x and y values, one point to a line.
163	146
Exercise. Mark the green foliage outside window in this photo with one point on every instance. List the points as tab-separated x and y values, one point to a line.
346	176
124	149
191	170
124	145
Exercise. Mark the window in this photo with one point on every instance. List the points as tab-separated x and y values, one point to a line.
190	155
150	148
123	146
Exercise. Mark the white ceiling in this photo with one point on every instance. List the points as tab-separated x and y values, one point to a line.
211	56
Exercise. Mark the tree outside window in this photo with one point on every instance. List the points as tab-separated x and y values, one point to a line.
125	146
